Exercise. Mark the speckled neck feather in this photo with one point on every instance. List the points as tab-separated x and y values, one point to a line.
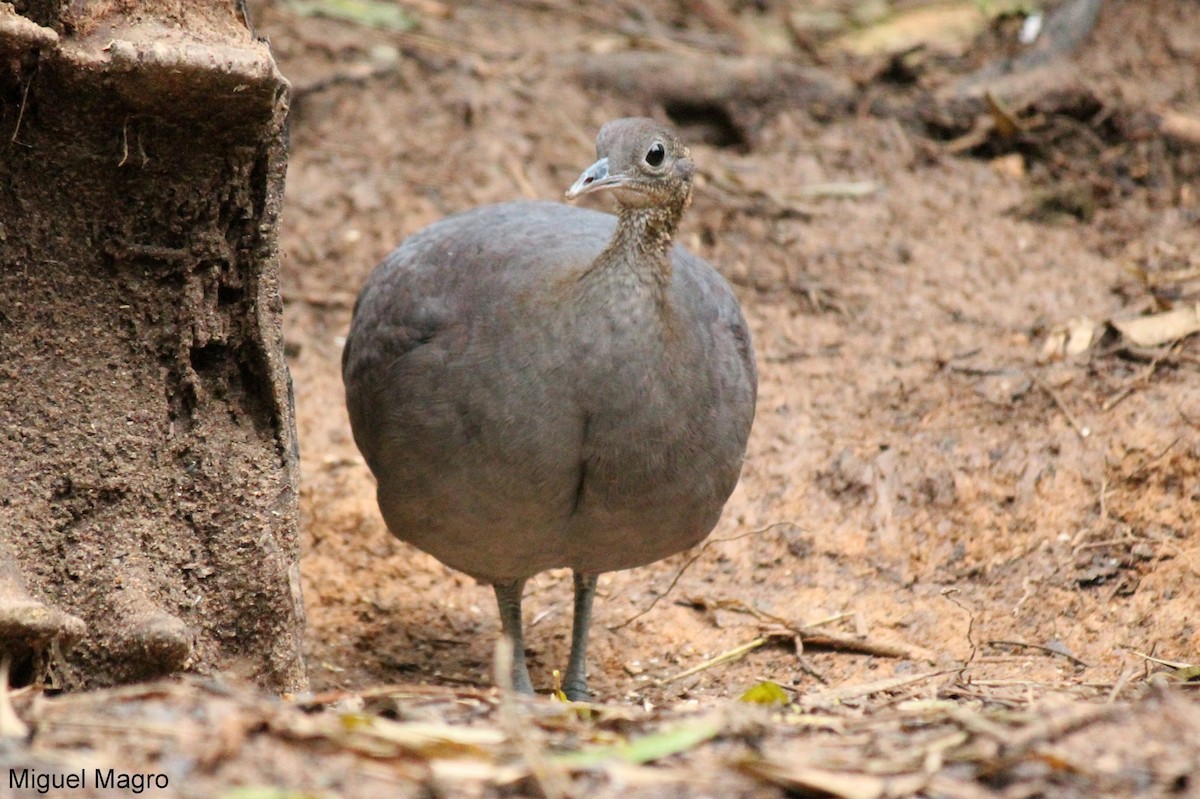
642	241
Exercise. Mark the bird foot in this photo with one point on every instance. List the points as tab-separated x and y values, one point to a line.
576	691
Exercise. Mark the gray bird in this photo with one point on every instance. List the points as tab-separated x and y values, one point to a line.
537	386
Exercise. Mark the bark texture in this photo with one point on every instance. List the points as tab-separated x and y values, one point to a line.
148	463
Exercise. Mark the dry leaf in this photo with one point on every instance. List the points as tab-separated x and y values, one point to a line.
1161	328
1011	165
1071	338
1081	332
948	27
766	693
840	784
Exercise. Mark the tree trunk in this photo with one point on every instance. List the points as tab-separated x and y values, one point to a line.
148	464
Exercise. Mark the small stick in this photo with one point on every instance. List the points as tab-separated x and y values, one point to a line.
947	593
736	653
1047	649
1180	127
866	689
1173	664
688	564
549	776
1082	430
1119	685
842	189
862	646
858	643
21	110
1072	719
808	669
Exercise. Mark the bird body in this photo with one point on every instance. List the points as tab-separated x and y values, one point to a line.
536	385
528	412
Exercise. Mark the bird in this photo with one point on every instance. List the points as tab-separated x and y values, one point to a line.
535	385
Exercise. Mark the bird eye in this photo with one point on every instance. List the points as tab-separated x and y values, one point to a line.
656	154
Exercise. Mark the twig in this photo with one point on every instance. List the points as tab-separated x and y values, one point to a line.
810	670
862	646
21	110
857	642
1119	685
736	653
352	74
675	580
549	776
1144	378
1082	430
844	693
1048	649
1173	664
947	593
1070	720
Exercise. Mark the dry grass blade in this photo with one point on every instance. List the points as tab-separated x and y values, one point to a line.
860	644
840	784
1082	430
725	657
379	737
695	557
1068	720
1180	127
429	739
549	776
1041	648
839	190
1174	664
864	645
368	13
648	748
835	696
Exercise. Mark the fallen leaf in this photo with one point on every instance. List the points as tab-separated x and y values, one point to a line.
840	784
1081	332
370	13
765	693
948	27
1161	328
1191	674
647	748
1072	338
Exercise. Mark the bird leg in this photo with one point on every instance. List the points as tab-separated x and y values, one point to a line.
575	684
508	597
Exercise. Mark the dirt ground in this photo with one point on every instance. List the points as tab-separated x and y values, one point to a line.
928	471
914	467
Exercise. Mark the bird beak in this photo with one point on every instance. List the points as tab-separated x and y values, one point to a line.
595	177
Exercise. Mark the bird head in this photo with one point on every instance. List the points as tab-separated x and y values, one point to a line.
641	162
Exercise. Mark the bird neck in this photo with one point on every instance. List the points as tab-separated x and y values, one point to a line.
642	242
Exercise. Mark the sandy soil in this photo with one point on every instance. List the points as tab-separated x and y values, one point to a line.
915	466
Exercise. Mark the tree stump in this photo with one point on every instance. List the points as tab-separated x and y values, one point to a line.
148	461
